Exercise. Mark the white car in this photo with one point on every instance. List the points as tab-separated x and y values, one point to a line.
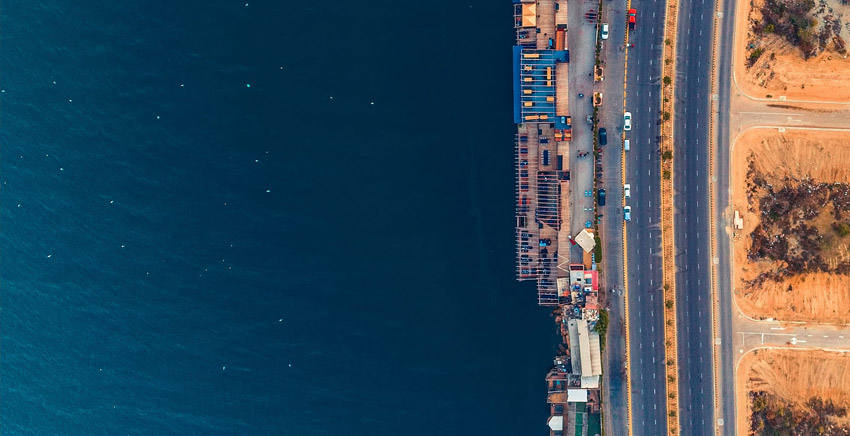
627	190
627	213
604	30
627	121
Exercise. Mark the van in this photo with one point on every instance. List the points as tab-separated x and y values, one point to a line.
626	145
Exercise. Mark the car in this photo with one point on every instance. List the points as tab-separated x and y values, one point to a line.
627	213
627	121
604	30
601	197
590	120
603	136
627	190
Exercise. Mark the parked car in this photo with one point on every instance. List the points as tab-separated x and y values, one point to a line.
627	190
627	121
627	213
604	30
601	197
603	136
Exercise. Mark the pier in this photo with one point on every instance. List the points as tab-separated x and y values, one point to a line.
557	256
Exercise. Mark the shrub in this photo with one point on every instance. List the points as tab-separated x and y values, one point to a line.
667	80
666	175
842	229
668	304
755	55
665	116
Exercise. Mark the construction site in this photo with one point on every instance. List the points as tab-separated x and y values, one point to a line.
558	258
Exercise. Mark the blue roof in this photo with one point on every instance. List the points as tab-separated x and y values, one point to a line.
517	86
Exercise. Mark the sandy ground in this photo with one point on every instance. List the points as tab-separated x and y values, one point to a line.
822	155
793	375
782	71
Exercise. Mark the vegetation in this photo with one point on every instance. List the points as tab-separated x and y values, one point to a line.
667	80
602	326
666	174
597	250
665	116
794	21
754	56
668	304
772	416
799	223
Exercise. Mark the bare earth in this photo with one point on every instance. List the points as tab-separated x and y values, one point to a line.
781	70
816	297
795	376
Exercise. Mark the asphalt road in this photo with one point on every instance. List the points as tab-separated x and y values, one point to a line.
611	227
649	414
692	218
726	381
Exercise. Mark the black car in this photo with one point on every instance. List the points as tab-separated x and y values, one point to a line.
602	197
603	136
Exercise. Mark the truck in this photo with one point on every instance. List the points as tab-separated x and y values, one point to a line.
632	19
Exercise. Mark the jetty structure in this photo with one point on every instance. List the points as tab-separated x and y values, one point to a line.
560	260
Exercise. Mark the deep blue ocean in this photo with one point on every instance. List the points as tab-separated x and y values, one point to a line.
286	218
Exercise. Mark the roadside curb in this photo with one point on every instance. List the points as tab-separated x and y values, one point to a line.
712	202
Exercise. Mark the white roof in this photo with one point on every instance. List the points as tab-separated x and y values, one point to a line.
556	422
585	240
576	395
584	346
595	354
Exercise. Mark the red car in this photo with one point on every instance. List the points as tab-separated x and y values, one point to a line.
632	18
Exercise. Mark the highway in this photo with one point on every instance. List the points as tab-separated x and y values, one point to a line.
643	100
727	358
692	216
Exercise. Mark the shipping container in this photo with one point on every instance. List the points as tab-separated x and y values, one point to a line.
531	55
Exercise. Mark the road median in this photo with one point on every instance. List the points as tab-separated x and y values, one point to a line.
667	236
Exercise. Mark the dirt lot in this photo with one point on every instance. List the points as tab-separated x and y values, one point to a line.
791	260
792	378
781	68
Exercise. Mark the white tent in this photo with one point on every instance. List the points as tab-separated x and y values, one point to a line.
585	240
556	423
